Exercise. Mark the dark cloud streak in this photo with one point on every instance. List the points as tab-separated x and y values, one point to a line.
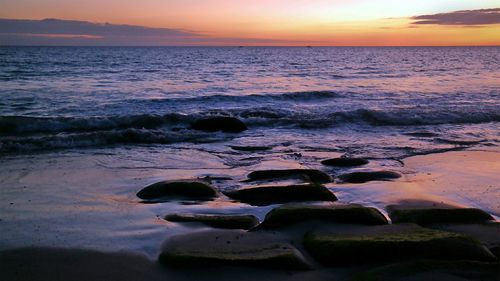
464	18
57	26
57	32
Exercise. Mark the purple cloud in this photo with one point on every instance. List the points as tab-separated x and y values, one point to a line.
57	32
466	17
57	26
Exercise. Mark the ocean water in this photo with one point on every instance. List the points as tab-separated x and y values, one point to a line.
371	102
83	129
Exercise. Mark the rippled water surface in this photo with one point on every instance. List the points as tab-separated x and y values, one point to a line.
370	101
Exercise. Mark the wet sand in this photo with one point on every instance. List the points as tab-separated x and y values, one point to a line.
58	223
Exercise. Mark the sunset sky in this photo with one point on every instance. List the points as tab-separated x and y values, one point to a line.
240	22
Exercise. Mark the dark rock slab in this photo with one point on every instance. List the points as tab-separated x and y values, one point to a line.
362	177
432	270
217	221
495	250
188	189
488	233
437	215
276	194
219	123
231	248
392	242
311	174
291	214
345	162
250	148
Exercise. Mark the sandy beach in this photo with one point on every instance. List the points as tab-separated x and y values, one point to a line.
68	231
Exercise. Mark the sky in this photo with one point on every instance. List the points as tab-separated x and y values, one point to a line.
243	22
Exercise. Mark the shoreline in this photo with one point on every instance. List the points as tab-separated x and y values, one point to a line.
460	179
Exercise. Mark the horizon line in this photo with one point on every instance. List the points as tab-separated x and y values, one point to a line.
250	46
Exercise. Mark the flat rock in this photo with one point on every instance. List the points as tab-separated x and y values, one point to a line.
311	174
231	248
276	194
188	189
425	216
487	233
217	221
219	123
290	214
362	177
392	242
250	148
345	162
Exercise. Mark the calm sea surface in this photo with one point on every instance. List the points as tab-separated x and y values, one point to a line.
374	102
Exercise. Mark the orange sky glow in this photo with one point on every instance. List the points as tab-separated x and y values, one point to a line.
278	22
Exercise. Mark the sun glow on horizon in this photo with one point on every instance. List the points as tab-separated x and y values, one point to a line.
276	22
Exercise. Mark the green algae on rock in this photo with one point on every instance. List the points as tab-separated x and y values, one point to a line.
290	214
275	194
313	175
392	242
217	221
488	233
437	215
231	247
184	188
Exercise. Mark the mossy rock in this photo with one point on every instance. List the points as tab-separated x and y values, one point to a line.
187	189
219	123
437	215
488	233
362	177
392	242
290	214
345	162
313	175
217	221
231	248
276	194
433	270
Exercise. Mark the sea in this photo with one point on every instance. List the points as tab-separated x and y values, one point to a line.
370	102
82	129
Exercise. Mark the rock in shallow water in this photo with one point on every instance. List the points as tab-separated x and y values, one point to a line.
392	242
218	221
276	194
219	123
290	214
311	174
188	189
231	248
488	233
362	177
427	216
250	148
345	162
